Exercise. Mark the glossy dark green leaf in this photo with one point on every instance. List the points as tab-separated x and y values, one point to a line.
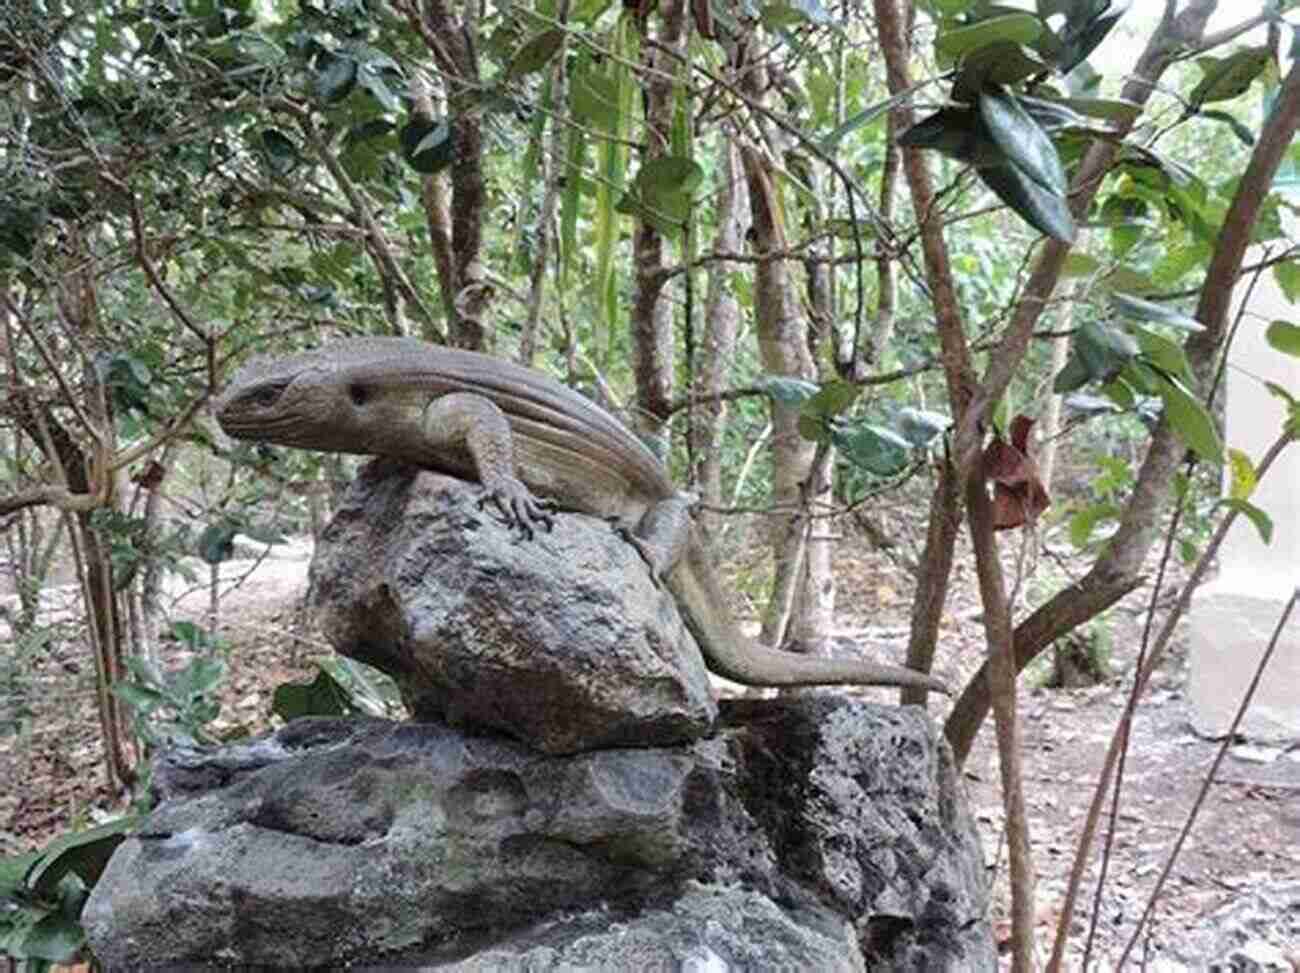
786	389
955	132
280	150
832	399
1136	307
1189	419
1284	336
1262	521
1046	211
1239	128
427	144
863	118
594	96
1091	405
53	938
1073	376
1228	77
336	75
83	853
1023	141
1052	114
217	542
1111	109
370	78
323	696
921	427
1002	63
1015	28
669	174
873	448
788	13
1082	36
535	53
1164	353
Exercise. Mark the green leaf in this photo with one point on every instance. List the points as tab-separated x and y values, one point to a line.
1287	275
1242	479
1104	350
1165	353
1083	34
1022	140
1001	63
669	174
83	853
1262	521
54	938
1284	336
1239	129
323	696
427	144
955	132
787	389
815	429
1074	375
13	875
1136	307
535	53
1085	522
191	635
280	150
832	399
921	427
1111	109
1228	77
335	77
199	678
1189	418
142	699
594	98
1015	28
788	13
1079	264
877	450
217	542
1045	211
831	142
372	80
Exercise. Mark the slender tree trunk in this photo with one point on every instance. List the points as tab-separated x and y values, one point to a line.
783	346
651	318
721	325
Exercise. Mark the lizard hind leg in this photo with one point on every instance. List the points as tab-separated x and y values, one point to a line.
662	536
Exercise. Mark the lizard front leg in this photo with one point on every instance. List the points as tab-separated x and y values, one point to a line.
478	424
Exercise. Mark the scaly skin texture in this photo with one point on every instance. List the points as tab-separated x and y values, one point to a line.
523	436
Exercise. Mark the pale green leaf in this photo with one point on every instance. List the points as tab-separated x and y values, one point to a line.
1242	476
1284	336
1262	521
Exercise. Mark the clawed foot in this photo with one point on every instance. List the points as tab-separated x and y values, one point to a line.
642	548
519	507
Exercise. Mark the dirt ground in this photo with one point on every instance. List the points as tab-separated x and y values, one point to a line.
1247	838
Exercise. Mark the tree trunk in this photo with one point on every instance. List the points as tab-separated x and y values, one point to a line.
651	318
783	346
722	323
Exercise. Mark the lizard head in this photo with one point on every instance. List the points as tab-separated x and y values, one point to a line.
287	401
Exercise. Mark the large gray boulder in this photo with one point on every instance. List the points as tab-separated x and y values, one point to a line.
562	641
813	832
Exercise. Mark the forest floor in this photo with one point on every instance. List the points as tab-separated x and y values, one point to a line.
1236	883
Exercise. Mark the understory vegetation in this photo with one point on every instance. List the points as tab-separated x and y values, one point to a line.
972	261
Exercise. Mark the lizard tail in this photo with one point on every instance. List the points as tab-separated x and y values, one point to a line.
732	656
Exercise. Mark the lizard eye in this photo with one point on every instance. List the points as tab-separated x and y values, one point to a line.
267	394
358	393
